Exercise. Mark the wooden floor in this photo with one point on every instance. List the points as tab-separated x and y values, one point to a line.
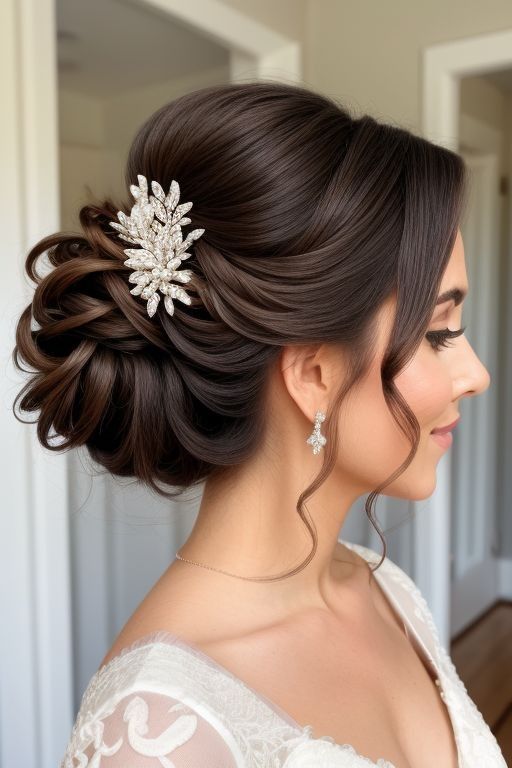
482	654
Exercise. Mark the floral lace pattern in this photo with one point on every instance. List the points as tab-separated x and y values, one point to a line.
162	696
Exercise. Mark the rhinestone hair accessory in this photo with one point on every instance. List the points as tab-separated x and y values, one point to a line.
155	224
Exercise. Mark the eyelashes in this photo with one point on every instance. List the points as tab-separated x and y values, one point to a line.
439	339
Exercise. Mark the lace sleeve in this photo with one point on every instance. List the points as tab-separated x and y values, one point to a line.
148	730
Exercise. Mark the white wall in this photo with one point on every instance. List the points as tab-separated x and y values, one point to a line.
370	53
95	136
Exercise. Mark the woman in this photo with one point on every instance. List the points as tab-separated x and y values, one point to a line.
303	356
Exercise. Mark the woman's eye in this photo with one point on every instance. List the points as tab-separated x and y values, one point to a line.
439	339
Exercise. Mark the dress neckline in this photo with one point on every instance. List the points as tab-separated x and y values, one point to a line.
426	651
430	657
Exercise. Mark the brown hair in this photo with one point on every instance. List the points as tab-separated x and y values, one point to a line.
312	219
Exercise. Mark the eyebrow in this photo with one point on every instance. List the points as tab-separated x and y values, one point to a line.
457	294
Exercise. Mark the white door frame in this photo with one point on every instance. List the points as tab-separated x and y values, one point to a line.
443	66
35	641
36	683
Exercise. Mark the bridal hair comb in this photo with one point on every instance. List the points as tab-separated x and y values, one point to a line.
155	224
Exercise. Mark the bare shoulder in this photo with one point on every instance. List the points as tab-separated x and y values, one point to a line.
184	603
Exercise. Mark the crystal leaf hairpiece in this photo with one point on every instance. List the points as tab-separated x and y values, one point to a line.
155	224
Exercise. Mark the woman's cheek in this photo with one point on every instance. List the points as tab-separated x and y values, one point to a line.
427	387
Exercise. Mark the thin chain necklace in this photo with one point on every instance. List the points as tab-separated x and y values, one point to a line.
246	578
262	578
235	575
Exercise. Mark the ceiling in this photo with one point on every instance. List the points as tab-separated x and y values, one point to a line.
106	46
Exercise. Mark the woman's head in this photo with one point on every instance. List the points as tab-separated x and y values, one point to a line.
316	222
371	445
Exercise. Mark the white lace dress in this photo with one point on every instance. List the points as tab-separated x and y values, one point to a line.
162	702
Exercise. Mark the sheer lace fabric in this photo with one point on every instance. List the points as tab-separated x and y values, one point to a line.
163	702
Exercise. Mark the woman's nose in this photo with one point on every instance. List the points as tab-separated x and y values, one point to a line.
474	377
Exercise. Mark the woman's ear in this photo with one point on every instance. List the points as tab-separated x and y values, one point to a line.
309	373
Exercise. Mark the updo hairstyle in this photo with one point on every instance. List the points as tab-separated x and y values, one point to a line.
312	219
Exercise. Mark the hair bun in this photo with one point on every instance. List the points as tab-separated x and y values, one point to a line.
314	220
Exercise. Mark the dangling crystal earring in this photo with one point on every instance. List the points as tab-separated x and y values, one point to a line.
316	439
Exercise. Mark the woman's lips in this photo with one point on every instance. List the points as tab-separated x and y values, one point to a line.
444	430
443	435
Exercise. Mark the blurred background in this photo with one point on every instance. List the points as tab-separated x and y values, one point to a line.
79	550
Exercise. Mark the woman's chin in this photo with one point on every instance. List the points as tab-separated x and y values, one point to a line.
415	490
